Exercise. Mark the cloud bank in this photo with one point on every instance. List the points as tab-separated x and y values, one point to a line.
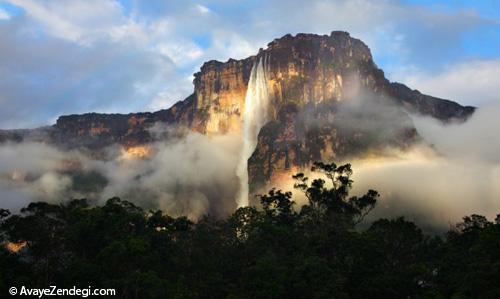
460	176
456	172
60	57
192	176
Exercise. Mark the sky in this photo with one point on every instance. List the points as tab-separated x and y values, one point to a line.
75	56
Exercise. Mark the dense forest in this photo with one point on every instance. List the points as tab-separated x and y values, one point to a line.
273	251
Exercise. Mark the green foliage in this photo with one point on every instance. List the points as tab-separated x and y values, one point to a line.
272	251
333	202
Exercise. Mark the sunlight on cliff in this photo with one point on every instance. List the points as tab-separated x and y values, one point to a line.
135	152
14	247
371	167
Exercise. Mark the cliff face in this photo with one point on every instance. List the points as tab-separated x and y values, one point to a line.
96	131
415	102
327	100
219	90
304	69
327	132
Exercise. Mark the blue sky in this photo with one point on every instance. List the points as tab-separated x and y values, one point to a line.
61	57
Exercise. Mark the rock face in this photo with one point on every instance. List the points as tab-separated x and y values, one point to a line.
415	102
328	100
219	90
326	132
95	131
306	69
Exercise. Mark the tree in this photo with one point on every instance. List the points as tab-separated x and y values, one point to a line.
334	203
257	252
278	206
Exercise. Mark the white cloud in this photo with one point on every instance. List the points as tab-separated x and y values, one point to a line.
202	9
4	15
162	26
460	180
130	30
172	93
398	34
55	24
79	21
474	82
181	53
228	44
43	78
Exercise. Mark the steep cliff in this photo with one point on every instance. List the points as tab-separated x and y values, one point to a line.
327	100
95	131
304	69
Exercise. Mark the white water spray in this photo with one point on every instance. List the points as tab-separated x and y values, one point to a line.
254	117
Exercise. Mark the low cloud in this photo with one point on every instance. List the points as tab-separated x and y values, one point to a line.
33	171
194	175
455	173
79	56
436	186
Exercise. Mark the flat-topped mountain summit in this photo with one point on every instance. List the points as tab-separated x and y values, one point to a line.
325	99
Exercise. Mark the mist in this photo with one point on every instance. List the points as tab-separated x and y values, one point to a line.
450	171
32	171
453	172
190	176
435	185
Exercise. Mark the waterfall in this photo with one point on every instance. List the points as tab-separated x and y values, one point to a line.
254	117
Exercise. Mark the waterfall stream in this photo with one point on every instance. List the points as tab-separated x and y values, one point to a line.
254	117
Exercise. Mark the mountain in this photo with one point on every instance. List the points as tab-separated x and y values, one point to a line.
325	99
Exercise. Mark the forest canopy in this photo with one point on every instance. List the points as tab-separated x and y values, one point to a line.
272	251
